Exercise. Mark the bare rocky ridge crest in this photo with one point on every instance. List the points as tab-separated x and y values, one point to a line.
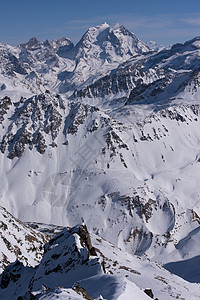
72	267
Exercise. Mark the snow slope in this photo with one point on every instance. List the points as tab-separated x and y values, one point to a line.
18	241
71	265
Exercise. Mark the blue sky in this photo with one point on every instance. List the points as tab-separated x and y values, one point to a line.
166	22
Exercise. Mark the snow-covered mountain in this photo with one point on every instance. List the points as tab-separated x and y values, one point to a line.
60	66
155	46
106	131
72	268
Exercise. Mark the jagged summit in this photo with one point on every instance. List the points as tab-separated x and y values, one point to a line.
34	43
62	66
100	50
98	28
117	35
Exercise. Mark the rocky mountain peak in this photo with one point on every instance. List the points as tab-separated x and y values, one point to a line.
194	42
67	271
95	30
120	28
101	49
32	44
66	253
61	42
116	35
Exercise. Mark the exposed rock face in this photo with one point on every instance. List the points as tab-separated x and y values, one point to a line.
31	121
84	234
5	104
126	77
146	77
18	241
69	270
68	257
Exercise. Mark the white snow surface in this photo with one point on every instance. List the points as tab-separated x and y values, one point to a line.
18	241
110	273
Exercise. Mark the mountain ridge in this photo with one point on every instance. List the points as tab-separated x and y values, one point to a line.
106	271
